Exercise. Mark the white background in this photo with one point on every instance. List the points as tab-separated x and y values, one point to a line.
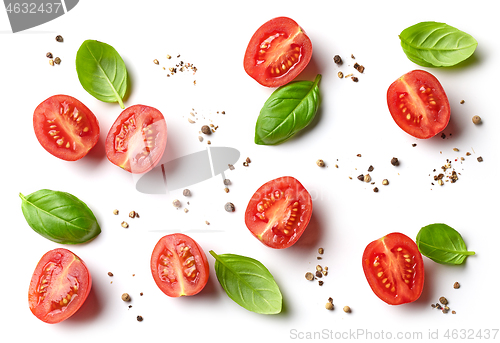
353	119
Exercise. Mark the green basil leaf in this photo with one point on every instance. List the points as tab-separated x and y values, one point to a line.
288	110
248	283
59	216
101	71
432	44
442	244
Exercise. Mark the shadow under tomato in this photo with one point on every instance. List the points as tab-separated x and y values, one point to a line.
209	292
452	130
89	310
98	153
310	71
429	295
311	236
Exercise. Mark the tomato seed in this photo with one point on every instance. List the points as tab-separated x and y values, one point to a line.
139	318
309	276
476	120
125	297
49	55
456	285
57	60
347	309
329	306
320	163
59	38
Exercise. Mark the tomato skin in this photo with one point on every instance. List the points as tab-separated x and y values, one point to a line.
67	278
394	260
137	139
279	212
277	52
65	127
179	265
418	104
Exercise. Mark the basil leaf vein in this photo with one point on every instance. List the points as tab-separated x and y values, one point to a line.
248	283
59	217
433	44
289	109
442	244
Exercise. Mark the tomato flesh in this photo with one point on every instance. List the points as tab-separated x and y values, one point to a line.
179	266
277	52
65	127
278	212
59	286
394	268
418	104
137	139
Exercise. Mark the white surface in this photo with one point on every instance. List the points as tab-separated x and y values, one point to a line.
353	119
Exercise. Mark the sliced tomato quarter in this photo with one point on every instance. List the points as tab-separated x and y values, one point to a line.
179	265
59	286
394	268
418	104
278	212
65	127
137	139
277	52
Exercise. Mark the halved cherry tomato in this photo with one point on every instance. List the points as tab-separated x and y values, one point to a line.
65	127
179	265
137	139
418	104
277	52
394	268
278	212
59	286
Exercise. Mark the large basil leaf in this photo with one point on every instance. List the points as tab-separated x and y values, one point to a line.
248	283
59	216
442	244
101	71
432	44
288	110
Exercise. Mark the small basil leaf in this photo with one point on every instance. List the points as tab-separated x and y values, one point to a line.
432	44
248	283
101	71
59	217
288	110
442	244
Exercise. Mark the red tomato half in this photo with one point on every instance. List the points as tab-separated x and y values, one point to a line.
59	286
394	269
179	265
279	212
418	104
65	127
137	139
277	52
